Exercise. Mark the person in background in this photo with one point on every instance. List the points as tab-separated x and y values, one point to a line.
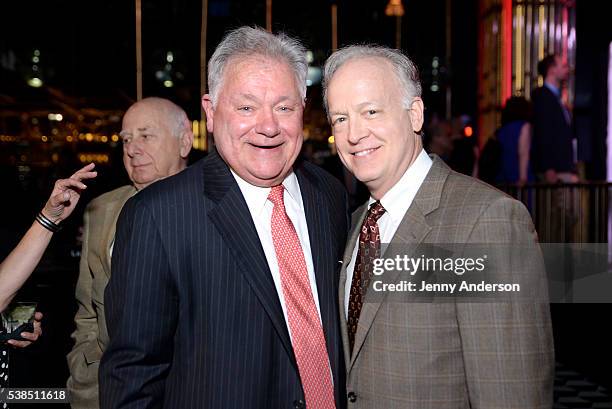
437	139
552	151
554	156
21	262
514	137
157	138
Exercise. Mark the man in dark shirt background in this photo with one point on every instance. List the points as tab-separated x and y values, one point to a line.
552	149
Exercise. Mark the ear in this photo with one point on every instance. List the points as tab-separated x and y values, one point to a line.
210	112
186	143
416	114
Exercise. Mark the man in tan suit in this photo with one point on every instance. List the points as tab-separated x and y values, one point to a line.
417	355
157	139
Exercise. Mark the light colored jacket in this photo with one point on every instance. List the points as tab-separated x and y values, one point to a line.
91	336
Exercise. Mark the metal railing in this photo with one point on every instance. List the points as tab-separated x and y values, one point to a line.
567	213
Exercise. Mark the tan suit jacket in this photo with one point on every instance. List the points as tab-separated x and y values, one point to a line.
91	336
451	355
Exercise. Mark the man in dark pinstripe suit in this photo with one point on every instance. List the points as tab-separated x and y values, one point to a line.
198	311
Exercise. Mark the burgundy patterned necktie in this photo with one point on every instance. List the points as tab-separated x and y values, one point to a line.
304	323
369	249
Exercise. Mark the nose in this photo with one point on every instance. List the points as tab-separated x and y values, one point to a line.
356	131
267	123
133	148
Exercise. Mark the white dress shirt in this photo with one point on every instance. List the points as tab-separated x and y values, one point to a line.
261	212
396	203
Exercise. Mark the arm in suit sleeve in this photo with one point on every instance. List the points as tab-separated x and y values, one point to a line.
507	347
141	314
83	360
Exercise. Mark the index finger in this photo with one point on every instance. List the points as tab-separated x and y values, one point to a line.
86	172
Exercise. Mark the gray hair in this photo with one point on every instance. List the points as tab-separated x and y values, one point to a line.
179	121
405	70
249	41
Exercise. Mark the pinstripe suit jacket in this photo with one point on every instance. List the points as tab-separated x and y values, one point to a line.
193	314
451	355
90	336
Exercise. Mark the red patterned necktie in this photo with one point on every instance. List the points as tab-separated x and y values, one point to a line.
304	323
369	249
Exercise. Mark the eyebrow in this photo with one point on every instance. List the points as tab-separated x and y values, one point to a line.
123	134
365	104
250	97
358	107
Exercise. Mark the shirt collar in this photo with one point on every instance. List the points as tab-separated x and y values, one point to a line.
399	198
256	196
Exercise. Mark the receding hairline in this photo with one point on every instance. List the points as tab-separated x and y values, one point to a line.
406	71
235	61
173	115
379	60
250	41
355	59
162	105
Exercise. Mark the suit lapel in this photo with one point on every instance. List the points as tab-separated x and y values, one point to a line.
233	220
314	208
410	233
319	227
358	217
110	219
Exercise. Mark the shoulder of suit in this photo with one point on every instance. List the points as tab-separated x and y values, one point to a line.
474	193
121	193
542	92
173	185
473	189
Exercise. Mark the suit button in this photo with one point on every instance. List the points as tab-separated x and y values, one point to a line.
352	397
299	404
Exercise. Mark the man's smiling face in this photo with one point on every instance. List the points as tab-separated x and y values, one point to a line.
374	131
257	119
